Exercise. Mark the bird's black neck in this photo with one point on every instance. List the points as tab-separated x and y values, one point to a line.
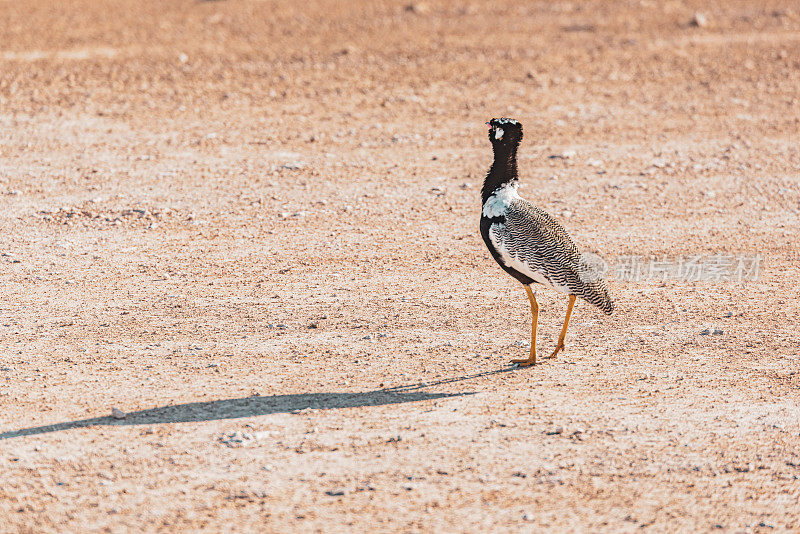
503	170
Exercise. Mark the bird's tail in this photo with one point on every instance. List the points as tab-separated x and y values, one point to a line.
599	295
593	289
609	306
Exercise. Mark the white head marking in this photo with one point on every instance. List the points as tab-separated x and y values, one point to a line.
499	133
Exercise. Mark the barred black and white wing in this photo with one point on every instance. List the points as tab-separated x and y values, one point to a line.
530	241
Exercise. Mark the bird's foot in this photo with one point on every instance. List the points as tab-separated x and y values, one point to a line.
559	348
525	362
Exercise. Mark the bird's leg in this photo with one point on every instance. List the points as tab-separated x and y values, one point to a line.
560	345
531	360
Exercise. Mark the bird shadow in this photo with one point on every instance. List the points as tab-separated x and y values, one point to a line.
256	405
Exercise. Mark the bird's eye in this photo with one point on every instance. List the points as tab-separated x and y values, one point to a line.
499	133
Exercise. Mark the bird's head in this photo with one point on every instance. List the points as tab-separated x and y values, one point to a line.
504	132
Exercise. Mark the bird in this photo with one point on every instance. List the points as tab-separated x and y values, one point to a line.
528	243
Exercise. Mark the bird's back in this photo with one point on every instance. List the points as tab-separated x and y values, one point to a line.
531	237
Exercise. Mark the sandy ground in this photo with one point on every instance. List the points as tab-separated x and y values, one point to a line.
253	228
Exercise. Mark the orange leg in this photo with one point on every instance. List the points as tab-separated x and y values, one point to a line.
531	360
560	345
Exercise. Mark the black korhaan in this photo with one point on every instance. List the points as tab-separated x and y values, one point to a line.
528	243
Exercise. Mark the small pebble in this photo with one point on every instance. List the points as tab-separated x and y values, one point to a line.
116	413
566	154
699	20
293	165
417	7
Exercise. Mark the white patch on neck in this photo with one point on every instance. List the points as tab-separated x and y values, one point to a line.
499	133
497	204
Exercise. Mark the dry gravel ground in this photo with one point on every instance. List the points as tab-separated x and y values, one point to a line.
253	228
